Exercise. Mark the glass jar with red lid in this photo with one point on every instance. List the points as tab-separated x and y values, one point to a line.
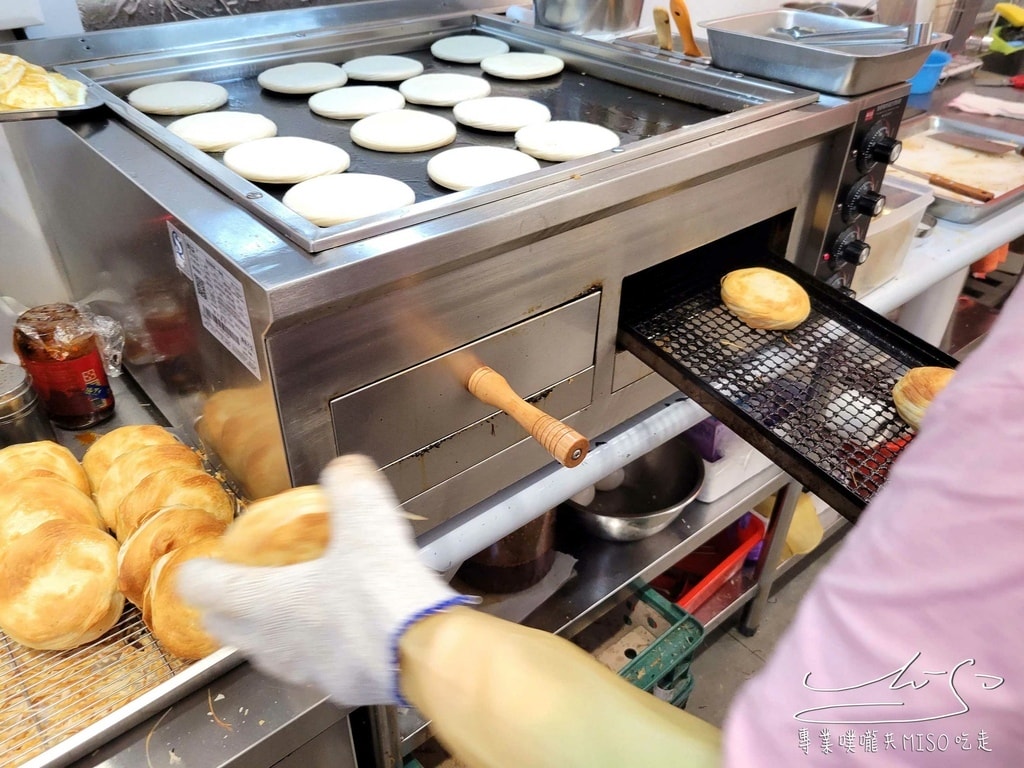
58	346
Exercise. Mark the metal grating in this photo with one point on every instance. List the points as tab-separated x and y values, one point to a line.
816	400
48	696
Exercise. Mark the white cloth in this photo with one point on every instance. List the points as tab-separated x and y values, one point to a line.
333	622
906	650
988	105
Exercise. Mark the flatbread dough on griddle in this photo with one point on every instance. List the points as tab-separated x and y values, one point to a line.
505	114
344	197
403	130
285	159
355	101
467	49
465	167
443	89
302	77
382	68
519	65
565	139
179	97
218	131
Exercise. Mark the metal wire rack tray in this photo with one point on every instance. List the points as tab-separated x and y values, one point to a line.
816	399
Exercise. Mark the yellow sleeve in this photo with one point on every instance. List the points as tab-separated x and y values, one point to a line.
499	694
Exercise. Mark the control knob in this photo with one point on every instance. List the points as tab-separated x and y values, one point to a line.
878	147
863	200
849	249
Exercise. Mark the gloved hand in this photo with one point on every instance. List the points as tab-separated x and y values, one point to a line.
334	622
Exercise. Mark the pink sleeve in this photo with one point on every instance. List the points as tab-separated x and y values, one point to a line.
909	647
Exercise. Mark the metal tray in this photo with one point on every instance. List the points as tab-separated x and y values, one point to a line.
651	105
949	205
92	101
816	400
745	44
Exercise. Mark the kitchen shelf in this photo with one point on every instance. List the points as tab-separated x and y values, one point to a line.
605	570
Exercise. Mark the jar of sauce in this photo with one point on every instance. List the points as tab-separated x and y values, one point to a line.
58	347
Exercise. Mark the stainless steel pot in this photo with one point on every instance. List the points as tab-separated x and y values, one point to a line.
589	17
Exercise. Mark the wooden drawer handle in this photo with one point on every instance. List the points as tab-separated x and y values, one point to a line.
563	442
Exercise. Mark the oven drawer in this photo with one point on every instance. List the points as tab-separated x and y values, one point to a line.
424	427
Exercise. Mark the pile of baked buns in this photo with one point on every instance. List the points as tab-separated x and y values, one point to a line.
78	538
27	86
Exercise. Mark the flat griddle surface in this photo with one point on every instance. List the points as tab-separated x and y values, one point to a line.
816	400
632	113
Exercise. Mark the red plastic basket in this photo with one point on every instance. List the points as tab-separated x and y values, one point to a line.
695	578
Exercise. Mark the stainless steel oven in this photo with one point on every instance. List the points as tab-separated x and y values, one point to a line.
276	344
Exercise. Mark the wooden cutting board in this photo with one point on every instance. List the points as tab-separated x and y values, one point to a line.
998	174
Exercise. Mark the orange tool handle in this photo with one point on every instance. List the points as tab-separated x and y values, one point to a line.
563	442
982	195
681	14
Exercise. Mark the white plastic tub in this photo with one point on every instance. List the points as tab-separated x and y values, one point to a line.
892	234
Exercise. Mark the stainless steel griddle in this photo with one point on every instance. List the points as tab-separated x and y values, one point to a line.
646	103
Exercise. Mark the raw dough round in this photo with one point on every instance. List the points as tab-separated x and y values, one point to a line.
443	89
465	167
501	113
285	159
468	49
303	77
217	131
181	97
403	130
565	139
382	68
522	66
355	101
339	198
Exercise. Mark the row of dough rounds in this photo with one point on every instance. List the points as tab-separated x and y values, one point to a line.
324	194
63	577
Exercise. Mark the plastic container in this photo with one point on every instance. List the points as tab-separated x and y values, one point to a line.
930	73
728	458
693	580
891	235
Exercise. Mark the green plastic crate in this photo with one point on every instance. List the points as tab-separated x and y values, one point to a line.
645	639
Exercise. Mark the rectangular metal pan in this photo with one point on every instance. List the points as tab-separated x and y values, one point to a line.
92	101
949	205
745	43
816	399
651	105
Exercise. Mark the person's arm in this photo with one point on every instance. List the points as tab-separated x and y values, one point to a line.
499	694
931	578
368	623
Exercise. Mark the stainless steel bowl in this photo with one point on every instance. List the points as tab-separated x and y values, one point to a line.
654	491
588	17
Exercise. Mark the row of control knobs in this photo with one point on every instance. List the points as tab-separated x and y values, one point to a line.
863	199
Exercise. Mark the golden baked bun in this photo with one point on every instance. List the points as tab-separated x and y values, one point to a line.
28	503
288	528
58	586
174	486
240	426
166	530
764	298
31	459
106	449
916	389
128	470
174	623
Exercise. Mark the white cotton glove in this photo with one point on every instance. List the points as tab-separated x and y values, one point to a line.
988	105
334	622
